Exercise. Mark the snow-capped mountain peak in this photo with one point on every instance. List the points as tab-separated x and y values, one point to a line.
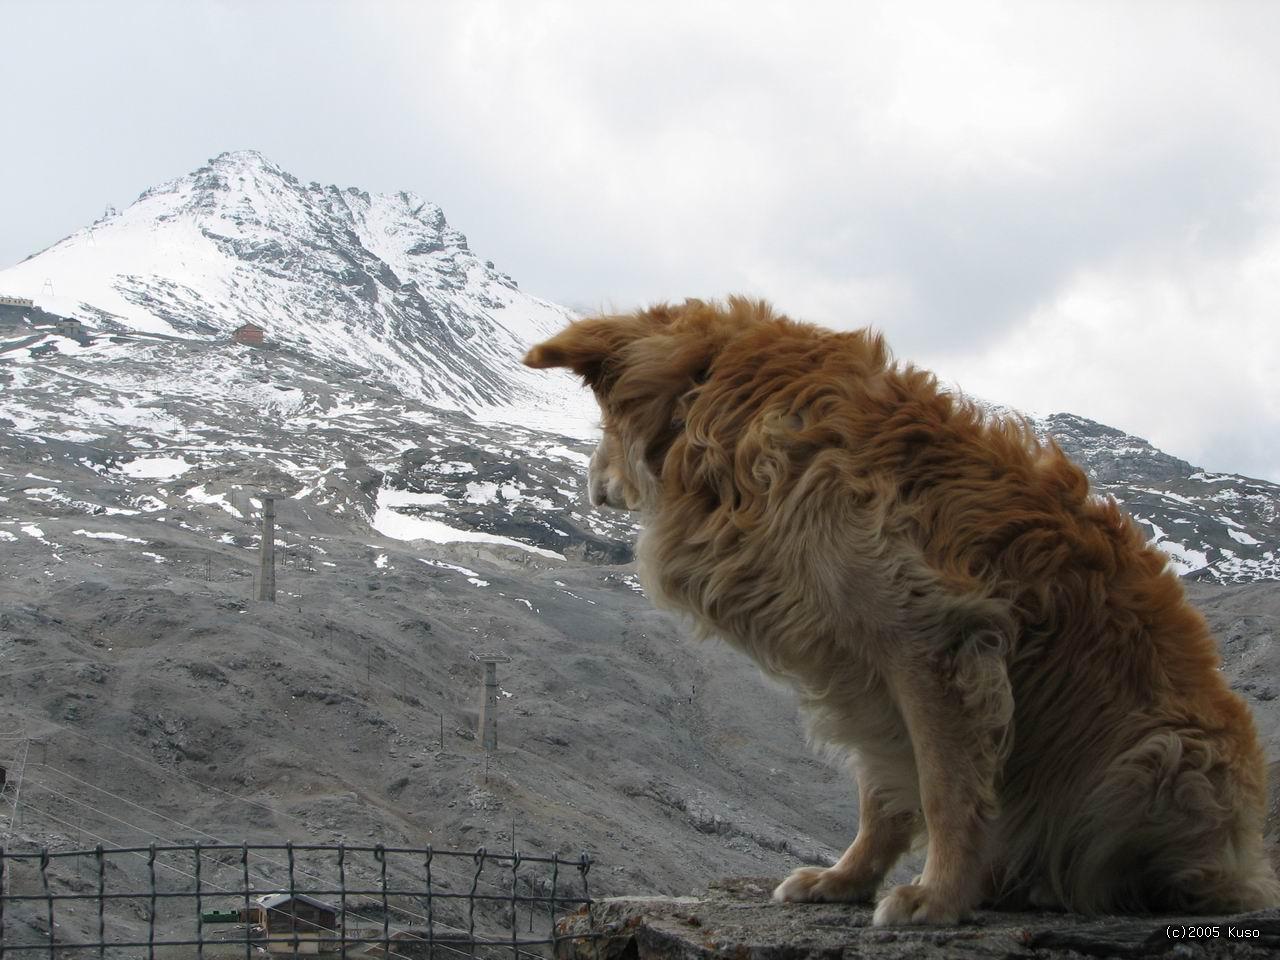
379	280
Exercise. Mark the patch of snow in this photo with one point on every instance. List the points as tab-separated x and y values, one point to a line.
405	498
564	453
1167	495
402	526
449	566
567	411
473	578
1157	533
156	468
106	535
200	495
1183	558
453	466
483	492
128	415
583	599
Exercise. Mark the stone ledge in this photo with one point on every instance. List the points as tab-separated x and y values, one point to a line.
736	919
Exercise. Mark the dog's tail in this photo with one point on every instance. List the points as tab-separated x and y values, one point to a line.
1170	824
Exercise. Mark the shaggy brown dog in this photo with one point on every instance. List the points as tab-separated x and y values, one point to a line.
1006	663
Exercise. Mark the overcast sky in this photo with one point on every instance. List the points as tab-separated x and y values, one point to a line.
1057	206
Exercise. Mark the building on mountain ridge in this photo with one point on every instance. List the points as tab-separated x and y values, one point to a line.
13	312
249	334
73	329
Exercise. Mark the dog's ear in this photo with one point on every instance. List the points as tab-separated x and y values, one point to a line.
590	348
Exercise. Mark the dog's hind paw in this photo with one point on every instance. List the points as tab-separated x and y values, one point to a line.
916	904
823	885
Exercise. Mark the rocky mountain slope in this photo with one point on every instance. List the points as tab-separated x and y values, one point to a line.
1214	526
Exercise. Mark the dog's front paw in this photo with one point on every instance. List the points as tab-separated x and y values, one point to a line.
915	903
823	885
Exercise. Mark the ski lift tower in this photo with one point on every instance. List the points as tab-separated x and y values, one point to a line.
489	699
267	559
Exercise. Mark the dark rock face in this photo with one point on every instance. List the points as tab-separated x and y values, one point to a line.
737	919
1112	455
1215	526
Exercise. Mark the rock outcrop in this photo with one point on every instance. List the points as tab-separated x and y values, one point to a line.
737	919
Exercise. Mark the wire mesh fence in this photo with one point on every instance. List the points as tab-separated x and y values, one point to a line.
223	901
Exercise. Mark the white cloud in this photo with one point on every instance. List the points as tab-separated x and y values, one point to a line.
974	178
1182	351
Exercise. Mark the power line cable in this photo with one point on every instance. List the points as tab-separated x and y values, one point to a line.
204	833
210	787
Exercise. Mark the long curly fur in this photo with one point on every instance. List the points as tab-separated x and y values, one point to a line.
1006	664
